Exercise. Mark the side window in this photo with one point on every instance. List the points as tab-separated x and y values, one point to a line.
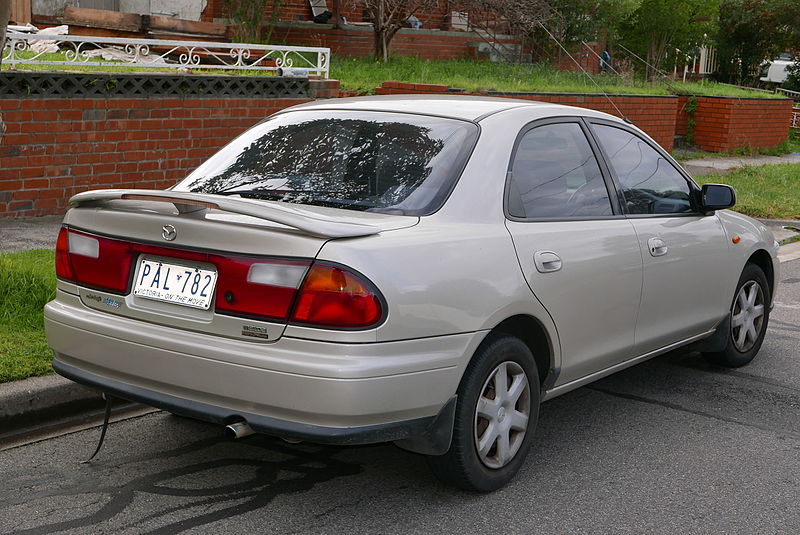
650	184
555	174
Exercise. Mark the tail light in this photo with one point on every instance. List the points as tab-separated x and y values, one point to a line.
94	261
315	294
63	266
257	287
333	296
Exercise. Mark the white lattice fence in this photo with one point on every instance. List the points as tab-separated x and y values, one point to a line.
21	49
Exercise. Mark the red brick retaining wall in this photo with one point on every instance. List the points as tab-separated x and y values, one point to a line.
653	114
54	148
725	124
682	118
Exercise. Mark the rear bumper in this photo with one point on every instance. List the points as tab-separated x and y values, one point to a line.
367	434
315	391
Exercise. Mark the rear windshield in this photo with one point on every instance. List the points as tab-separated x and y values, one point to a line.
374	161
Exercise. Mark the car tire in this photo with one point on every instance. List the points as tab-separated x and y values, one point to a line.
749	319
499	358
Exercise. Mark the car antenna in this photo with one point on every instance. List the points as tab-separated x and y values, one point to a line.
591	78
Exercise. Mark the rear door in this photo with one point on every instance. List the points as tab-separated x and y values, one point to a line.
682	294
579	254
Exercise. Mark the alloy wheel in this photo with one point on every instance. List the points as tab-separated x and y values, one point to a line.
747	318
502	414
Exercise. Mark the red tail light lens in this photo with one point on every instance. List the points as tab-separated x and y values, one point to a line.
63	267
257	287
93	261
333	296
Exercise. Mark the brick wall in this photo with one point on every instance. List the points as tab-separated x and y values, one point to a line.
587	58
358	41
653	114
682	118
726	124
54	148
300	10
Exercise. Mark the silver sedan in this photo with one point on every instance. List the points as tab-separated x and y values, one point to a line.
423	270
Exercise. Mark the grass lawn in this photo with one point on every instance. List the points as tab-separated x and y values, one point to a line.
27	282
365	74
771	191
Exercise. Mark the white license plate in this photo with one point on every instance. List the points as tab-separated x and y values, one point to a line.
175	283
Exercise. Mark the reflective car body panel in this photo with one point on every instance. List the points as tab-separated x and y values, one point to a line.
684	290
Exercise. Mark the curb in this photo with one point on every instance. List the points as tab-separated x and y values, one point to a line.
38	398
789	252
780	222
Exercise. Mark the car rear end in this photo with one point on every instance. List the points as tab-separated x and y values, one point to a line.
181	300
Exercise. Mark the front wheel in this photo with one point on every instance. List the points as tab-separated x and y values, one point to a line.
748	321
496	413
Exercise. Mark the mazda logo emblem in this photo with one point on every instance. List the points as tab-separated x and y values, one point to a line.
168	232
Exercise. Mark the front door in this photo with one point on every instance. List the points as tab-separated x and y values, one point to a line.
682	295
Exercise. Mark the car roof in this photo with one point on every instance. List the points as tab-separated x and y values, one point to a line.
465	107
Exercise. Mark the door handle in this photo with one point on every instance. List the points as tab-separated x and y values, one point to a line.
546	261
657	247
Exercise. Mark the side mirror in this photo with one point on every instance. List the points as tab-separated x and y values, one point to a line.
716	197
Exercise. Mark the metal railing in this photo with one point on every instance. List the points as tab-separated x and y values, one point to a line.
794	95
796	119
124	52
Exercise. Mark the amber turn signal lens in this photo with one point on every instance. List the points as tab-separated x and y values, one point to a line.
736	239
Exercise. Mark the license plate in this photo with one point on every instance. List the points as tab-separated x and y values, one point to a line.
175	283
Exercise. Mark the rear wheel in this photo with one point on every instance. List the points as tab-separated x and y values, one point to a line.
748	320
496	413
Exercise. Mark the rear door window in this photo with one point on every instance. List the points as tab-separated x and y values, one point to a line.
554	173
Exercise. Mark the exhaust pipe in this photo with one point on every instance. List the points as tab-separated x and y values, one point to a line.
238	430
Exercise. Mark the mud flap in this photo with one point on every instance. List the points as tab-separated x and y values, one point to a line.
437	437
719	340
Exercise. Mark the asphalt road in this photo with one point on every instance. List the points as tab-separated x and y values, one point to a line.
670	446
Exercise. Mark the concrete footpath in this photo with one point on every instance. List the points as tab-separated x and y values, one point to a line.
710	166
42	397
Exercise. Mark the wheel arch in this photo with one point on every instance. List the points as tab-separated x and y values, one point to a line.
534	335
762	259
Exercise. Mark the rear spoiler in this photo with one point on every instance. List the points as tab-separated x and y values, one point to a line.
308	221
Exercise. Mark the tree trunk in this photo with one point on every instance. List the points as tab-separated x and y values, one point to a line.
381	45
5	13
337	18
651	61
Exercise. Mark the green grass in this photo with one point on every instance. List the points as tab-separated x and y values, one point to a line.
27	282
365	74
771	192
